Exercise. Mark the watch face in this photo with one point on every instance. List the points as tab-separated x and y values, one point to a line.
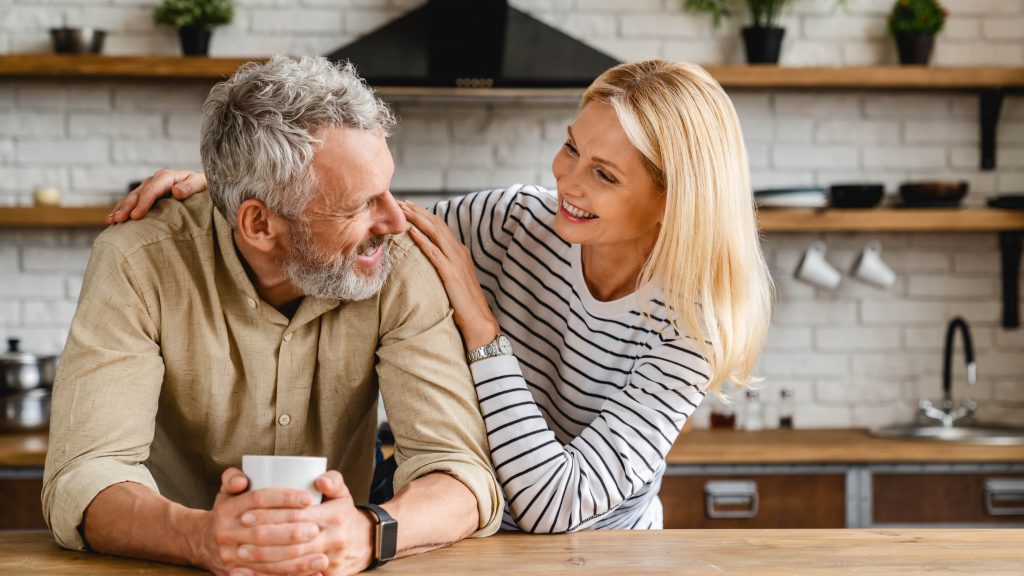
388	540
504	346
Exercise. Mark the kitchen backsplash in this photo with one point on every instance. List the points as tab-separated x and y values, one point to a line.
857	356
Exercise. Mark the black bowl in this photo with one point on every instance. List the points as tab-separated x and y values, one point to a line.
935	194
855	195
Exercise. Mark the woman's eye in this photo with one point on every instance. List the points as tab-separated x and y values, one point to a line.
603	176
570	148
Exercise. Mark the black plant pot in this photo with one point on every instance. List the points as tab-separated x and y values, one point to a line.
763	44
195	40
915	48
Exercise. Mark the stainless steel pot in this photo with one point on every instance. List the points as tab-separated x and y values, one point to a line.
21	371
27	411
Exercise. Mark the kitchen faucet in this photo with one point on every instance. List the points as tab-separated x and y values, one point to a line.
948	415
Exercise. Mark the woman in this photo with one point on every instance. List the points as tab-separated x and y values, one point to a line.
626	296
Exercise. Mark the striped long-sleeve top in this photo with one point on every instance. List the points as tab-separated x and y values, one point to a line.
581	418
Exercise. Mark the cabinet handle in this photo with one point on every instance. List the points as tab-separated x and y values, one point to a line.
719	493
1004	497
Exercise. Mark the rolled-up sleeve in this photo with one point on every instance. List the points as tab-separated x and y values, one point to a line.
427	387
105	396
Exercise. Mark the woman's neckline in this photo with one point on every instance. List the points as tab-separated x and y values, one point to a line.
619	306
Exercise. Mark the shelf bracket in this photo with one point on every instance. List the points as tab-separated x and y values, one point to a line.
1010	243
991	105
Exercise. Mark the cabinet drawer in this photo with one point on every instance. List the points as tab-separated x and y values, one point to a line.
21	508
947	498
755	501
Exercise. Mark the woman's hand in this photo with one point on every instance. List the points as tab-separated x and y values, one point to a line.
180	183
454	265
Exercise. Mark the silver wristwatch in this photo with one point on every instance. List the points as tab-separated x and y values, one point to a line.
500	346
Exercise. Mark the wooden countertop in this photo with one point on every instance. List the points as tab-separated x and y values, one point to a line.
23	450
838	446
594	553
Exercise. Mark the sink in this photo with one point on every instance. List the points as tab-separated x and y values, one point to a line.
997	435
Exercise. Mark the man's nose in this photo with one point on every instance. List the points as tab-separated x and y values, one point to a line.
390	219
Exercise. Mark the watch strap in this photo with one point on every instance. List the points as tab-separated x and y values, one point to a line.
500	346
385	545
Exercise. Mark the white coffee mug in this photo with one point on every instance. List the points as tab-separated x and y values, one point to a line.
285	472
815	270
869	266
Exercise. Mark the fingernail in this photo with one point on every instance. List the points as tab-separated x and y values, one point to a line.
305	499
310	533
248	518
243	552
319	564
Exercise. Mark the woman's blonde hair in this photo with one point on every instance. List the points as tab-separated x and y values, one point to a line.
707	257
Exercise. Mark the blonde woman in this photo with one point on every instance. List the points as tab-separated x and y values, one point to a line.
597	317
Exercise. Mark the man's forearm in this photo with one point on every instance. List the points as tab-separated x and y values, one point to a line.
422	502
129	519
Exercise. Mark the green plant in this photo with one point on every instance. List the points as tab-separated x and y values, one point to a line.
917	17
763	13
180	13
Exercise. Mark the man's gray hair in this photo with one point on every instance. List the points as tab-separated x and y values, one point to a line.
259	128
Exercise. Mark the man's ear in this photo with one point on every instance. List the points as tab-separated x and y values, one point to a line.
260	227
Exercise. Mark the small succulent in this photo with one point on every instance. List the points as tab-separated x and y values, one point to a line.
917	17
180	13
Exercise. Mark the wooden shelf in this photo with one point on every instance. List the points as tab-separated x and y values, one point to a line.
85	217
738	76
890	220
770	219
143	67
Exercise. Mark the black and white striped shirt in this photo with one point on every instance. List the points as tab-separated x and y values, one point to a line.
581	419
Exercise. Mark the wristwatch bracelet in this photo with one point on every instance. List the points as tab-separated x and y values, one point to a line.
500	346
385	541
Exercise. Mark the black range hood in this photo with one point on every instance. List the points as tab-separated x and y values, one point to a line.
472	43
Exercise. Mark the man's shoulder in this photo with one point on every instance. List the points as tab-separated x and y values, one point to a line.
168	221
407	259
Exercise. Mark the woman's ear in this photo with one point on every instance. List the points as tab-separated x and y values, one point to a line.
260	227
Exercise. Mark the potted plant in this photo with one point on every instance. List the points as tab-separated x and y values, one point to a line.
763	38
914	24
194	20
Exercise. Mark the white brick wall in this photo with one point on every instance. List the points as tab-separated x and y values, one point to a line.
858	356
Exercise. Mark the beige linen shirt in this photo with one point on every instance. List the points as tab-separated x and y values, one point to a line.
174	368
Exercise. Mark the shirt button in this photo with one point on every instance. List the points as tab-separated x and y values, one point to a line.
287	336
251	303
284	420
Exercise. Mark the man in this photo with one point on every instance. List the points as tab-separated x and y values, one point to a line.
265	325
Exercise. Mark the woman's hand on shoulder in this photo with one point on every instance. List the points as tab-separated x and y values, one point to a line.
454	265
181	184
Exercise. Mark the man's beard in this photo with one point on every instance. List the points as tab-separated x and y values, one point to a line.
318	274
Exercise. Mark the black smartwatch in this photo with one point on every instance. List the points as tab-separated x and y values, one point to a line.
385	544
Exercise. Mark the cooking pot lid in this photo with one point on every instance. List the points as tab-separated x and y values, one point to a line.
15	356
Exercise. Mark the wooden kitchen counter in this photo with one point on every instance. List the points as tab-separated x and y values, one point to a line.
837	446
23	450
761	552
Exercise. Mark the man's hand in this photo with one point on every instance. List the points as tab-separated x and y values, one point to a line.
231	534
344	541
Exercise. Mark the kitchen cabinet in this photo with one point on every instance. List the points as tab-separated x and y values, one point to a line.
755	501
964	498
824	478
20	505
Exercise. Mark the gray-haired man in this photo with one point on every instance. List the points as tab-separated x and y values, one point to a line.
264	322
